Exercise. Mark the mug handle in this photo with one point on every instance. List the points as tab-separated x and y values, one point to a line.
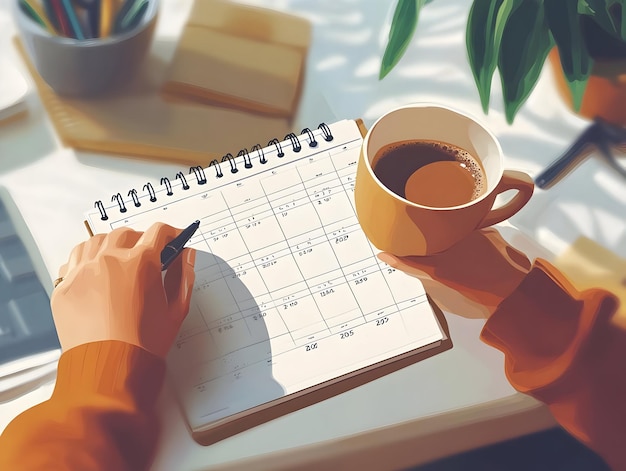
511	180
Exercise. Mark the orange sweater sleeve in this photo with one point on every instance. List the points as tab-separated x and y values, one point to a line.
101	415
568	350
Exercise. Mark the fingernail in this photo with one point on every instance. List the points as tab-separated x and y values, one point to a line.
387	258
191	256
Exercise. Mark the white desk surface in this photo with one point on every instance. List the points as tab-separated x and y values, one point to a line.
452	402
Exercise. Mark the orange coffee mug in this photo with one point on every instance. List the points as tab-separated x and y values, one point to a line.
401	227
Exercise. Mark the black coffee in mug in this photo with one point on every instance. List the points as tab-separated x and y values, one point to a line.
430	173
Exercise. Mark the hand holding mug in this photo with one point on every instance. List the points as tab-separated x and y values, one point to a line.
472	277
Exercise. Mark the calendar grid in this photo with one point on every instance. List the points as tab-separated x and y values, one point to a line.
288	289
269	201
301	193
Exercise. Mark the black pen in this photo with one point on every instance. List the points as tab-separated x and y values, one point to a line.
175	247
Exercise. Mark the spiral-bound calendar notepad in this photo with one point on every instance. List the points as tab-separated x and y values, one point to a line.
290	303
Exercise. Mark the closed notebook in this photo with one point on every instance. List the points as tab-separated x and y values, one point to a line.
137	121
242	56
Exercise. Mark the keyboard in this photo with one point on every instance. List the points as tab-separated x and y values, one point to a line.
26	325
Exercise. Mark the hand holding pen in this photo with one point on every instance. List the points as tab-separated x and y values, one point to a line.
174	248
112	288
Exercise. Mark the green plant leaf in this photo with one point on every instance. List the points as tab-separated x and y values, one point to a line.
485	27
564	22
504	13
402	28
482	49
599	11
525	44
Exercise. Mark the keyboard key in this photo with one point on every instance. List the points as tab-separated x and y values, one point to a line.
32	314
8	331
15	265
6	230
26	324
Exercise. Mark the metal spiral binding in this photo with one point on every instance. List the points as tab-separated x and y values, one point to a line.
247	162
198	171
295	142
181	177
279	148
328	136
120	202
133	194
260	153
231	160
168	185
312	141
218	168
148	186
103	213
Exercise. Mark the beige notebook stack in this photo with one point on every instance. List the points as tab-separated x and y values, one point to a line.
241	56
253	74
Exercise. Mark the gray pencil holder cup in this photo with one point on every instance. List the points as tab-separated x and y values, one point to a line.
87	67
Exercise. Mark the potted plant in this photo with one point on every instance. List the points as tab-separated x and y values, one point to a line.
585	40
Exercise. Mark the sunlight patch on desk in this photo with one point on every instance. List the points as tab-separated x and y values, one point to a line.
331	62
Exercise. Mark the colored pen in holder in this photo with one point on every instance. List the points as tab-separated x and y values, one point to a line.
85	19
82	48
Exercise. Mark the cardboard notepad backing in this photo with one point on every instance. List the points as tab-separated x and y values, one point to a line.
138	121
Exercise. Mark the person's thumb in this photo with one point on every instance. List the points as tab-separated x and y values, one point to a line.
388	258
406	264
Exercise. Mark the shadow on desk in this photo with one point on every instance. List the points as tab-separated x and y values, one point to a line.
550	450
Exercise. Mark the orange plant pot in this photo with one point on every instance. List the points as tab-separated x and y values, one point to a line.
605	94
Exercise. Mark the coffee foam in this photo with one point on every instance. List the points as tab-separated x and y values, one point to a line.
464	158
